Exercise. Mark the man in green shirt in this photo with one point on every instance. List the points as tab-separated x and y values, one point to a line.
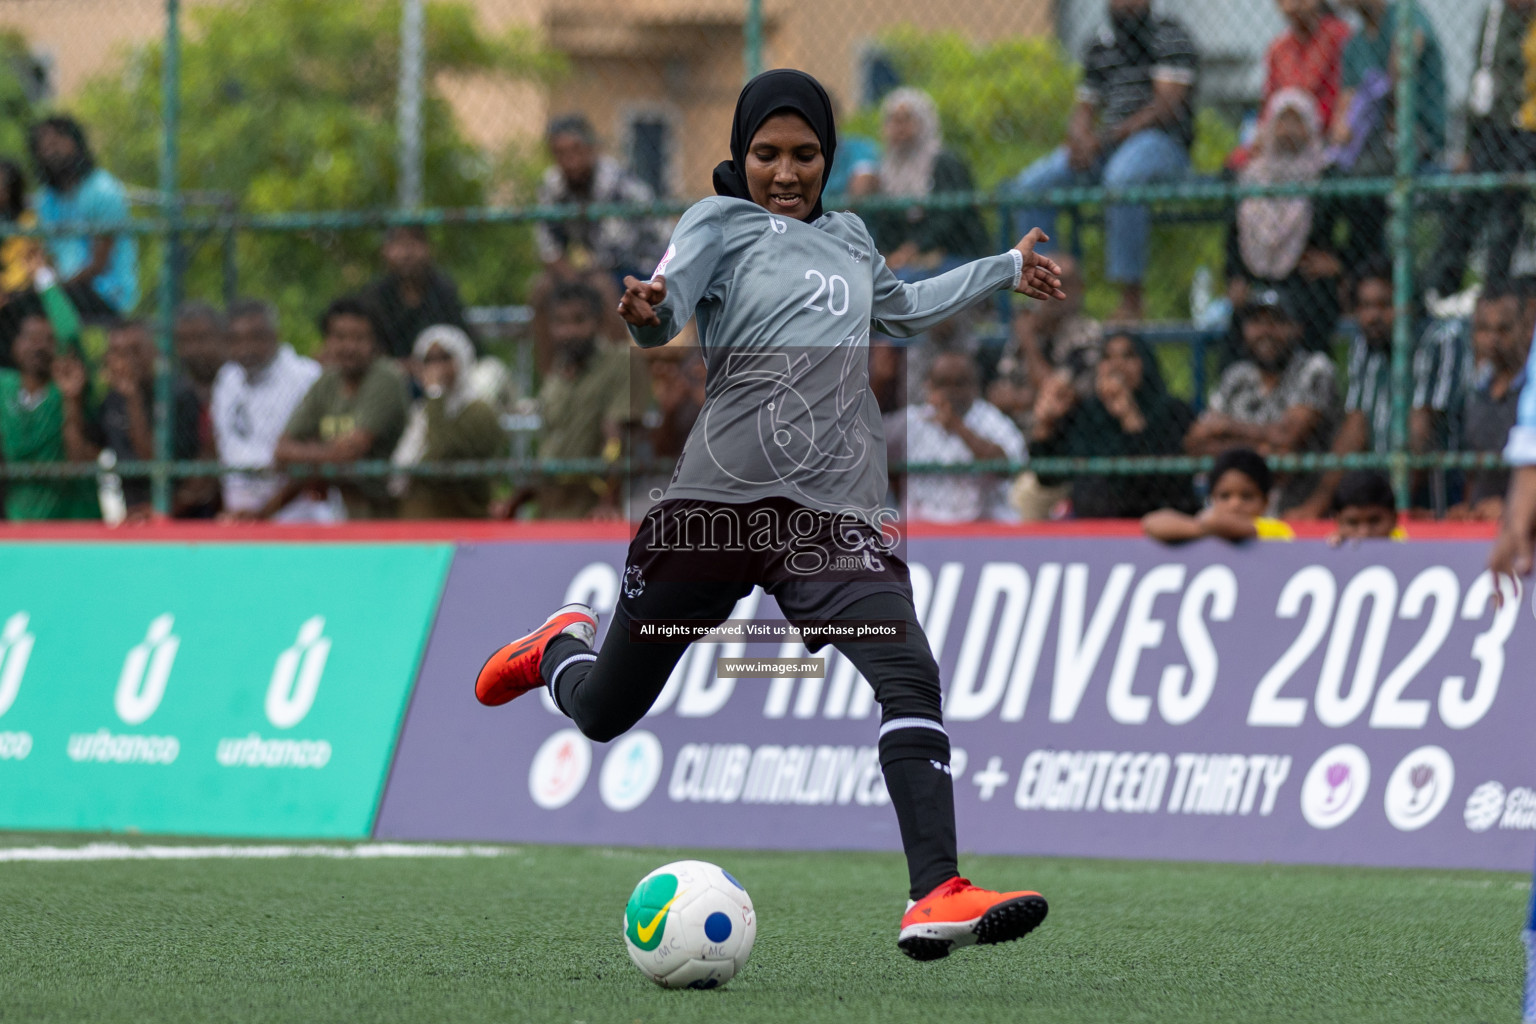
584	403
355	411
43	419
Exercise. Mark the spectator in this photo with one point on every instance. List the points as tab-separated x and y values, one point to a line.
254	395
1047	338
128	416
916	242
1363	129
1281	400
1133	124
198	337
1497	142
1130	413
44	419
414	293
1285	241
1368	394
599	252
17	251
956	427
355	410
100	272
855	165
585	402
677	377
1241	483
447	424
1364	508
1308	55
1492	403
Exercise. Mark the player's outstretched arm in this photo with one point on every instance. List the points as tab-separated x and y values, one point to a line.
1041	278
1512	554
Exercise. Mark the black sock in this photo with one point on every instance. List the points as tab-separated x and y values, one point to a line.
916	766
556	653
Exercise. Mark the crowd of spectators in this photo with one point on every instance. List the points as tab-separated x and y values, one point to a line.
400	381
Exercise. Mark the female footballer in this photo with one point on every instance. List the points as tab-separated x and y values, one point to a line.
782	480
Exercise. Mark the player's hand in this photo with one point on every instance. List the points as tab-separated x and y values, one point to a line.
640	299
1042	277
1514	553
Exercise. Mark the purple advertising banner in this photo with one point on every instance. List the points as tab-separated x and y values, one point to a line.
1105	697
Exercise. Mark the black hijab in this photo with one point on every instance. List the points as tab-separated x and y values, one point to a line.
766	95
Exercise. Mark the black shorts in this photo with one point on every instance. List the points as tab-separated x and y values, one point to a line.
694	559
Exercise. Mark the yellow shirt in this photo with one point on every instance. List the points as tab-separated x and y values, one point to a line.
1273	529
15	253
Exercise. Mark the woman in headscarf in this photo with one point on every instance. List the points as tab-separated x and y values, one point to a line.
1129	413
919	242
784	475
447	424
1286	242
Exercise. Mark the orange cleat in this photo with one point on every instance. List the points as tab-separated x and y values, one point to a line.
959	914
514	670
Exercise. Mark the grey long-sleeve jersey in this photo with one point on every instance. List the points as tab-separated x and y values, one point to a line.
784	312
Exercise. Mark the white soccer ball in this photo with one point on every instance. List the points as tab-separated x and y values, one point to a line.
689	924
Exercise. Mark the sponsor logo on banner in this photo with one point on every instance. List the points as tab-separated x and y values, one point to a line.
1484	807
15	648
727	773
1489	806
1135	782
146	671
1335	786
559	769
1418	788
296	676
630	771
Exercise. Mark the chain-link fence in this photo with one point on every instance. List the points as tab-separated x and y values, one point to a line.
325	261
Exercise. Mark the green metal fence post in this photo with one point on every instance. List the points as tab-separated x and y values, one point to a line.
170	108
1401	241
754	38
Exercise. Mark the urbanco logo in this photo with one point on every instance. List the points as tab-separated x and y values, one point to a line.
296	676
1418	788
1485	806
630	771
146	670
559	769
1335	786
15	648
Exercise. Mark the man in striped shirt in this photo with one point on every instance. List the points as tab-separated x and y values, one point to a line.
1438	366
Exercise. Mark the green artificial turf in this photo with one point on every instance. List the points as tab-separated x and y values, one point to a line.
534	936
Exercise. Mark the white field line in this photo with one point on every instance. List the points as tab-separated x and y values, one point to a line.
122	851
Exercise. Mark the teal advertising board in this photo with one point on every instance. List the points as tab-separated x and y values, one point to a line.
217	689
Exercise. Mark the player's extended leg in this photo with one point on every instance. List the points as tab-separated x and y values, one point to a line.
946	911
606	691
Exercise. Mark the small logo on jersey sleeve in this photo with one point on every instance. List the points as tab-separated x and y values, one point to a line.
779	227
661	268
858	255
634	582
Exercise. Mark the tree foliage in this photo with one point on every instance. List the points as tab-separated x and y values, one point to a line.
290	105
